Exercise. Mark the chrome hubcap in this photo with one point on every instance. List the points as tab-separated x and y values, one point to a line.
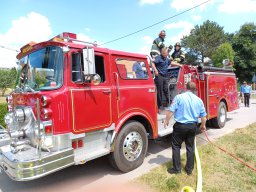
222	115
132	146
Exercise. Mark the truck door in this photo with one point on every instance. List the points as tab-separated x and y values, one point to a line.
135	89
91	104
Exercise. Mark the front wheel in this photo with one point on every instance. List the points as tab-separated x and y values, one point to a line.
130	147
221	119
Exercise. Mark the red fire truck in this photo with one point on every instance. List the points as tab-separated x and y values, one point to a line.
76	102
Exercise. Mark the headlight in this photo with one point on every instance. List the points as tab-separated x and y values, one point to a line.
8	119
47	142
19	115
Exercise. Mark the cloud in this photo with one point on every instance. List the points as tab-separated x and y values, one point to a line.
86	38
87	29
185	30
196	17
32	27
145	50
231	6
147	42
7	58
179	5
150	2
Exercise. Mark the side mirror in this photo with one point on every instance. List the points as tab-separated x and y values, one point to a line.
94	79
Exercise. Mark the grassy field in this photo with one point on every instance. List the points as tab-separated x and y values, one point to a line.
220	171
3	98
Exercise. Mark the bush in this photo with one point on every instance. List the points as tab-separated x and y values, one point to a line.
3	111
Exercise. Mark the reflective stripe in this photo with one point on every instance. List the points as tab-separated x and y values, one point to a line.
155	51
159	44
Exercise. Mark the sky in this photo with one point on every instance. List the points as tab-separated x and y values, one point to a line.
22	21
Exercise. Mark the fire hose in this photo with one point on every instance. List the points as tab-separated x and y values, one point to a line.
199	183
199	169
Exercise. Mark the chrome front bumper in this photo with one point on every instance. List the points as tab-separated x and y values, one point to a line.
27	165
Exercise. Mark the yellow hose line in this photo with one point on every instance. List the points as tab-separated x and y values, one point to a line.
199	184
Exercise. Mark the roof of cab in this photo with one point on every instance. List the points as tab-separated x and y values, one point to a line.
29	48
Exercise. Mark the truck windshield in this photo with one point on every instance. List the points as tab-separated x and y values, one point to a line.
42	69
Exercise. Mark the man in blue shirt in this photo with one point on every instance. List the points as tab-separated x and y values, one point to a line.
246	90
187	108
138	72
160	67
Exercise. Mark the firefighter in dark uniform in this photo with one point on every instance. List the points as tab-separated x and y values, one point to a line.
158	44
178	55
187	108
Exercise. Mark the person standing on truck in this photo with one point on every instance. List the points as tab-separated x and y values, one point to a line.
246	90
178	55
187	108
158	44
160	66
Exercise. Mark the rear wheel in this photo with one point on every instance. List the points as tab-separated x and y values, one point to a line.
220	120
130	147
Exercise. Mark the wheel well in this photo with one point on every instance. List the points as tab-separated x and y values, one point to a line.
144	122
224	101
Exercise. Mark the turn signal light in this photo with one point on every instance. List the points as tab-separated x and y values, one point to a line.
45	100
48	129
74	144
80	143
9	99
77	144
46	113
9	108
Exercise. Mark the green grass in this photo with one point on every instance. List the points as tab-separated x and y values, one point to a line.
3	111
220	171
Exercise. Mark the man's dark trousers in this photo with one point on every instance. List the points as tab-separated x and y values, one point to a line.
162	89
246	99
183	132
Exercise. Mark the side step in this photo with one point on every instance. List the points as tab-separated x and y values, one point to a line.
164	132
161	130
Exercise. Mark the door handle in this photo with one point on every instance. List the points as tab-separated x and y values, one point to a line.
151	90
117	85
108	91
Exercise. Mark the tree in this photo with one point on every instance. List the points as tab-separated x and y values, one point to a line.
203	40
7	79
244	45
224	51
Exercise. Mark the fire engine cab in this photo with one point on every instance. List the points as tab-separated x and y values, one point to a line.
76	102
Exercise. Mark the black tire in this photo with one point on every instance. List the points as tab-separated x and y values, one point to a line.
220	120
209	123
119	158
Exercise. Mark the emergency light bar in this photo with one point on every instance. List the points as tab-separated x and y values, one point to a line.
70	37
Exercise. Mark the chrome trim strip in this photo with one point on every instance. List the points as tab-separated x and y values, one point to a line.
217	73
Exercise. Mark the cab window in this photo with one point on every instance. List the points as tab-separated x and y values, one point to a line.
100	67
78	67
131	69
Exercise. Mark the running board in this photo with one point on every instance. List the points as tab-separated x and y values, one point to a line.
161	130
164	132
